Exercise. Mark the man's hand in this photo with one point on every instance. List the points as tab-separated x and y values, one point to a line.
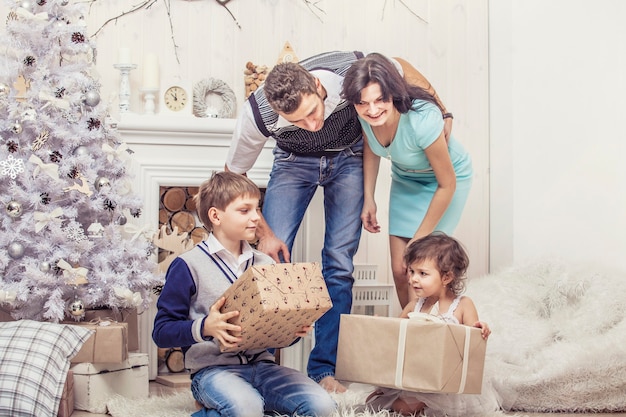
273	246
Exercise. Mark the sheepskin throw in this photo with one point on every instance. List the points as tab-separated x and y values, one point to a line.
559	336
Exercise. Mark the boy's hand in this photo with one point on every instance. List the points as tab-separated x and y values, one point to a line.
216	325
304	331
485	330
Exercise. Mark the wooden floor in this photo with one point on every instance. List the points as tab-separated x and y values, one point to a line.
157	388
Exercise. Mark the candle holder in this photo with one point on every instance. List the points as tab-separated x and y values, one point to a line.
149	95
124	94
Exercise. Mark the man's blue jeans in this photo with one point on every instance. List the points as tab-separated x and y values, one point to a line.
249	390
293	182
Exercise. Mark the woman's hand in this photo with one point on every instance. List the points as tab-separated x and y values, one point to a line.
368	216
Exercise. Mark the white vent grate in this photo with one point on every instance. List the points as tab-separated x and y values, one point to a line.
365	274
368	295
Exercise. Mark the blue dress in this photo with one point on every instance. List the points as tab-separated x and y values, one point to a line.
413	181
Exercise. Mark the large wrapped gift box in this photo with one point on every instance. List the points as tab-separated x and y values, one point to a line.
275	302
96	383
410	354
126	315
108	344
66	406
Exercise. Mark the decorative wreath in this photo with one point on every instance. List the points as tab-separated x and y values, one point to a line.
201	91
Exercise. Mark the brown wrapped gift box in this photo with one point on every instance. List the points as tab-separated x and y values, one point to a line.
122	315
275	301
108	344
66	406
410	354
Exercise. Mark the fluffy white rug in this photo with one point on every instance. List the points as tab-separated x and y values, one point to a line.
559	336
182	405
558	344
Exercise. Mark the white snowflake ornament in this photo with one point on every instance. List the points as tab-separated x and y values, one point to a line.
12	167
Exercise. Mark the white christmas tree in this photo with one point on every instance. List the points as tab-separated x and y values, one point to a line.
66	242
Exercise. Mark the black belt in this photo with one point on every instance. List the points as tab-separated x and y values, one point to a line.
319	154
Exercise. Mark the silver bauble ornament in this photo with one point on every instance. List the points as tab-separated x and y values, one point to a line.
15	250
102	182
80	151
92	98
27	5
4	90
14	209
122	220
44	266
16	128
76	307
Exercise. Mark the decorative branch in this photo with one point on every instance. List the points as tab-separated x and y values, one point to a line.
146	4
168	7
312	6
408	8
223	4
412	12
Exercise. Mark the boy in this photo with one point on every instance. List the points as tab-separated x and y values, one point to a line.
237	384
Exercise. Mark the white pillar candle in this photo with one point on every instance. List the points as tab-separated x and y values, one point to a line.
151	72
124	56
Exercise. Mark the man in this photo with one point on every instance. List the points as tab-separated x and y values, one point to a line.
318	143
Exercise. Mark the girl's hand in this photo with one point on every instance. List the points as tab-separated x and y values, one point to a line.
485	330
217	326
304	331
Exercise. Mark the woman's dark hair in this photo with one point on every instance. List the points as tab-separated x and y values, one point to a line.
376	68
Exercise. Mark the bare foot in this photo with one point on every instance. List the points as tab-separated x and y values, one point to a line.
330	384
401	407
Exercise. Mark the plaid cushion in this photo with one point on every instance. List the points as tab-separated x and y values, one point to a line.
34	360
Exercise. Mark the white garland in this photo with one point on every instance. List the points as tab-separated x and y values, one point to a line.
213	86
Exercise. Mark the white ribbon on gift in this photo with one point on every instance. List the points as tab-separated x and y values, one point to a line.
7	296
402	347
59	103
74	276
119	153
43	218
51	169
22	12
136	231
131	298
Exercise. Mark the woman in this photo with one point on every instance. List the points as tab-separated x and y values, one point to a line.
431	177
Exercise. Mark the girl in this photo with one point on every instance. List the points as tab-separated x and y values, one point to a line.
437	264
431	177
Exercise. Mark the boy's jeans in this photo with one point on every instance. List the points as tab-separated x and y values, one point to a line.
249	390
293	182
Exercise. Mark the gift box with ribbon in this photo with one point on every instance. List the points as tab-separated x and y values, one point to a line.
109	343
410	354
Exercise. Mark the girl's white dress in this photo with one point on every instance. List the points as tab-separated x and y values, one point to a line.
440	404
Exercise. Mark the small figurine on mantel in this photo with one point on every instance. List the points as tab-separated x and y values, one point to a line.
287	54
254	75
